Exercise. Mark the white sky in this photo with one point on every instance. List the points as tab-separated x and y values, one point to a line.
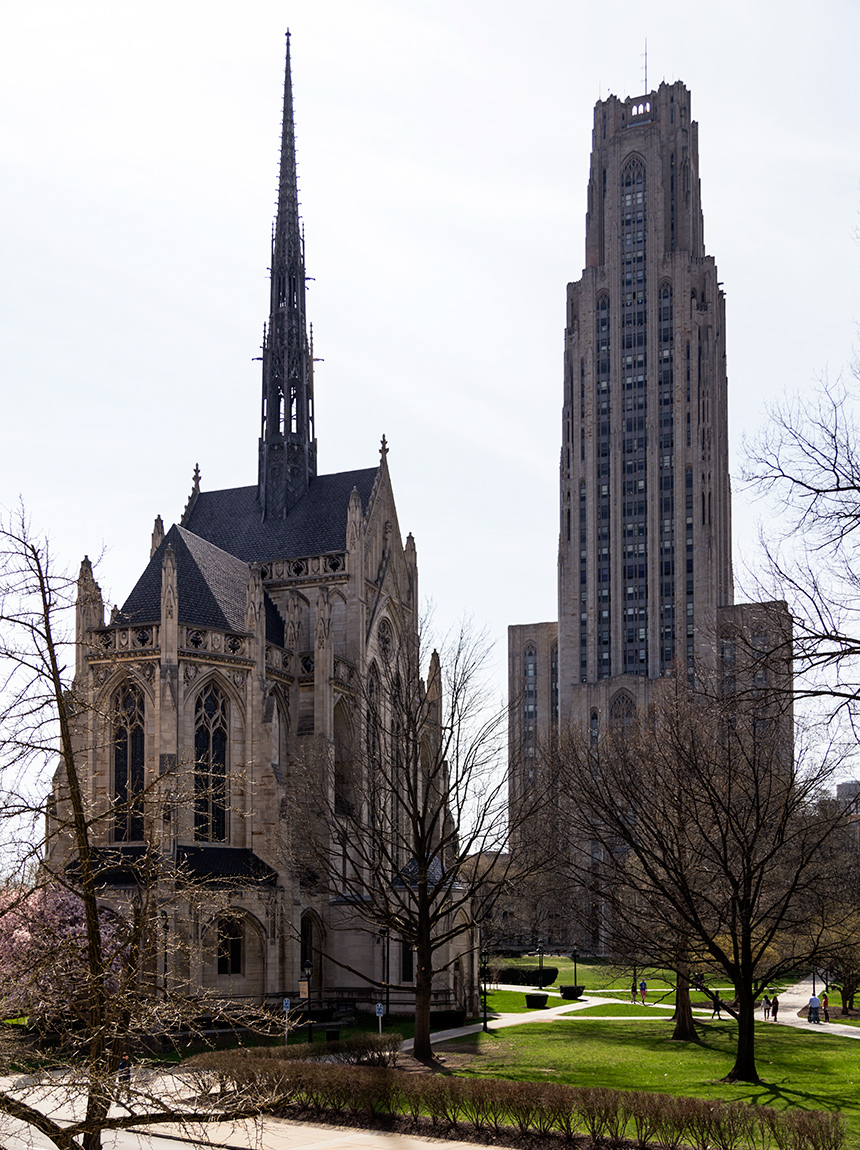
443	157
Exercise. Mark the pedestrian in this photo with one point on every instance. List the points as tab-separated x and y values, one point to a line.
643	990
717	1005
774	1007
825	1003
765	1006
123	1076
633	989
814	1005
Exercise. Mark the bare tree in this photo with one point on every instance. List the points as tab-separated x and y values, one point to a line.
709	836
85	970
808	461
412	814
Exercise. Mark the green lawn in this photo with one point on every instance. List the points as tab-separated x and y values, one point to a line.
625	1010
802	1070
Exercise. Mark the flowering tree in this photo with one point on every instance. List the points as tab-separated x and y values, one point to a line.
43	951
65	958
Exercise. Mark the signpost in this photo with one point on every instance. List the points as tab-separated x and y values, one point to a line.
379	1013
286	1021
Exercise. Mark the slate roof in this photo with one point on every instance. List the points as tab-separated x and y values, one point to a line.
212	588
220	863
232	519
123	864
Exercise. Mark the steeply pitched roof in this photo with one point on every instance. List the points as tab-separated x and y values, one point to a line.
232	520
212	586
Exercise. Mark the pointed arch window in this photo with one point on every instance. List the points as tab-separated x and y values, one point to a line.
622	709
231	939
211	734
128	764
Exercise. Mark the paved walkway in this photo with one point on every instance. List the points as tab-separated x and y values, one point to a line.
791	1002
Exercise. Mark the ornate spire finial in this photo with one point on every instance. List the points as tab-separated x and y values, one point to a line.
287	444
192	498
383	448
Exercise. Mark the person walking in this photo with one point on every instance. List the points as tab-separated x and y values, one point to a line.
774	1007
633	990
814	1006
643	990
717	1005
825	1004
765	1006
123	1077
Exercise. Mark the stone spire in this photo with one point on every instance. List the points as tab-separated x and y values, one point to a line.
287	444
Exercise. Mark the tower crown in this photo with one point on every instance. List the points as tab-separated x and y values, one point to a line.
287	458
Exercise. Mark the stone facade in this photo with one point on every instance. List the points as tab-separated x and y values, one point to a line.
243	649
645	584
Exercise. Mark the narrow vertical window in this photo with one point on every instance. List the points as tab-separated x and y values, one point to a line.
230	939
128	765
211	731
529	709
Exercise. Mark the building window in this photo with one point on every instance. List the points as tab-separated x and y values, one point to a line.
622	709
553	684
530	700
211	730
230	946
128	764
407	965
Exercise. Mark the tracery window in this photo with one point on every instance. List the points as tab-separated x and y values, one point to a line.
622	709
211	733
128	764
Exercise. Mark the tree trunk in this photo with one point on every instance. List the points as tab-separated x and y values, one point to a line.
685	1028
744	1068
421	1047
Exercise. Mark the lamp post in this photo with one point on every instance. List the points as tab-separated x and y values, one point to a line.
308	970
540	963
485	962
574	954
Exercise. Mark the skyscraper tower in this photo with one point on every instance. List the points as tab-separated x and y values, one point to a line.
645	549
645	500
288	449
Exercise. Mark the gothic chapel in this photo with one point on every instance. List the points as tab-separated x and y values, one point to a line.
240	644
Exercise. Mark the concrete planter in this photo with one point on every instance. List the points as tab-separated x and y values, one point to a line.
536	1001
571	991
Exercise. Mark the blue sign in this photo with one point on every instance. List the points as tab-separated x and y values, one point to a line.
286	1006
379	1010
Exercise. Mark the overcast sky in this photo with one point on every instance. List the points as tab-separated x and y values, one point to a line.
443	157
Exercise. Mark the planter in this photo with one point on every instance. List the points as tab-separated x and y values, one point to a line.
571	991
536	1001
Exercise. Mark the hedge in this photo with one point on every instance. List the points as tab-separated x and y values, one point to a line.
527	975
605	1115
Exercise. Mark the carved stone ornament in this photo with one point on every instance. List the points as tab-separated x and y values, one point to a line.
239	678
190	672
215	641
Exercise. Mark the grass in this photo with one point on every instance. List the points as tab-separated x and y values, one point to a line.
622	1010
813	1072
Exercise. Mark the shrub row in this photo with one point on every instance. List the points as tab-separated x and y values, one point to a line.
357	1050
527	975
606	1116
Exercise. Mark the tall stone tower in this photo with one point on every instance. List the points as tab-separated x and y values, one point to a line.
645	544
288	449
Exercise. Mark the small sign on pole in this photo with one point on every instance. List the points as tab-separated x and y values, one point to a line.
303	988
286	1021
379	1015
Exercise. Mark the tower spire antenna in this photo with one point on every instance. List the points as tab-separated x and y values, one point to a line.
287	444
645	55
